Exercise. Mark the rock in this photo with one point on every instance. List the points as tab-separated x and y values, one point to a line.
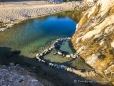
75	55
12	64
3	29
63	55
21	78
73	70
39	59
59	53
34	80
68	56
68	69
51	64
34	67
9	25
41	54
90	0
50	49
4	66
112	83
46	50
72	55
55	65
54	53
63	67
94	26
43	61
37	55
17	65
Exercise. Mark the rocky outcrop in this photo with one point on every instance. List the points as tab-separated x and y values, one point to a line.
94	38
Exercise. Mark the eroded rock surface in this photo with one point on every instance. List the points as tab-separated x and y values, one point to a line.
94	38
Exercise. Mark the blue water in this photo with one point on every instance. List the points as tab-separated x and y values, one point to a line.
34	35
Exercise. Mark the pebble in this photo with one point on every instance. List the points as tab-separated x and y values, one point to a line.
43	61
12	64
34	80
59	53
68	56
21	77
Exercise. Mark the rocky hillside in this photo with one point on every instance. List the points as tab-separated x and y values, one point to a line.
94	38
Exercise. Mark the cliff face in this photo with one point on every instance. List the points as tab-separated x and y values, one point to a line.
94	36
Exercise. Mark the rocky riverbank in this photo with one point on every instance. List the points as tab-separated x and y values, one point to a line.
14	12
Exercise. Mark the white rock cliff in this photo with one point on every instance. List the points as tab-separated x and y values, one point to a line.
95	33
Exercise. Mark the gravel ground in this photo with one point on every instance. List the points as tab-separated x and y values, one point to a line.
16	75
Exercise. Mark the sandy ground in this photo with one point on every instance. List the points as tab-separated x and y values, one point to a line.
14	12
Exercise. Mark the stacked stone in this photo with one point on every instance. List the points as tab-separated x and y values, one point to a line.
55	46
63	67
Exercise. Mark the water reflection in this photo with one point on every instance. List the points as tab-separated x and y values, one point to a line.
74	15
32	35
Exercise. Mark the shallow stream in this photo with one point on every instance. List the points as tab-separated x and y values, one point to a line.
34	35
